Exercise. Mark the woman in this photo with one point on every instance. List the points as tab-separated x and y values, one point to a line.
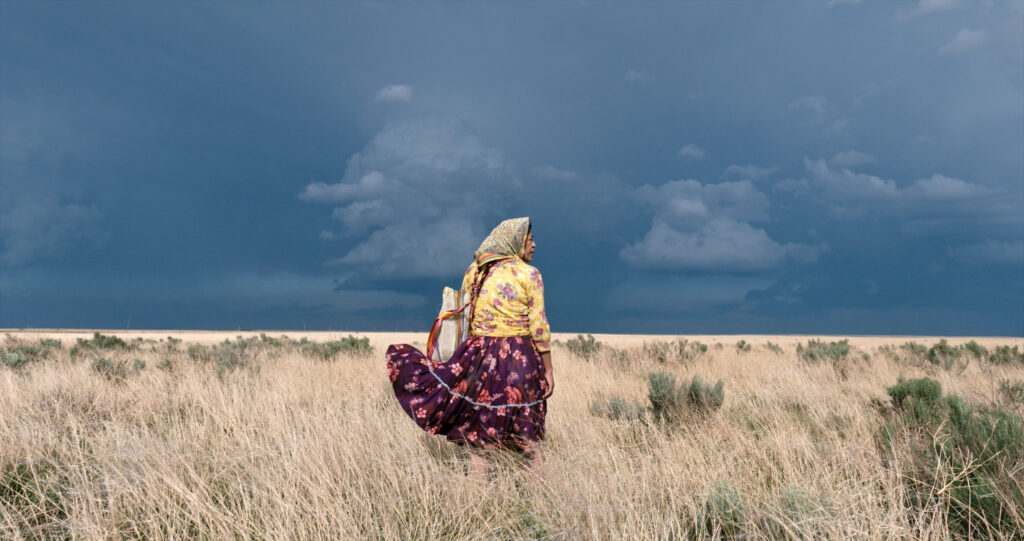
492	391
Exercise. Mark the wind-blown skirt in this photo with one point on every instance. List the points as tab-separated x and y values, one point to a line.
488	395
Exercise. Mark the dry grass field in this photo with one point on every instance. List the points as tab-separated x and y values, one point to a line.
264	438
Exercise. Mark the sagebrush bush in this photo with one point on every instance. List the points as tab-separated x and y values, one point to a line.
705	397
1006	355
742	346
976	349
618	409
673	351
774	348
665	397
668	401
349	345
947	356
15	353
817	350
229	355
963	453
915	351
584	347
725	512
1012	391
113	370
97	344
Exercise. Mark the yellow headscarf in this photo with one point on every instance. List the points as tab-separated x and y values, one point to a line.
505	241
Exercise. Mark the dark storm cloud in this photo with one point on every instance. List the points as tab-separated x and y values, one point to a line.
786	167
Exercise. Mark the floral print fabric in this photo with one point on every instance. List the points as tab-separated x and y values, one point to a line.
490	370
506	240
510	303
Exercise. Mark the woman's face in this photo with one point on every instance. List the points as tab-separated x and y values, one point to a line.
529	247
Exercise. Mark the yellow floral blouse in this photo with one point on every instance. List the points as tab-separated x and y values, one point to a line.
511	303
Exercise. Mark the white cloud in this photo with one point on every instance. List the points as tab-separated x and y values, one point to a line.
639	77
705	227
991	252
37	228
417	248
691	151
721	243
550	172
402	93
819	111
685	202
815	104
938	187
427	191
850	159
751	172
851	194
965	40
925	7
373	184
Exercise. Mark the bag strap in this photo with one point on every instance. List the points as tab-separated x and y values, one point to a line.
435	329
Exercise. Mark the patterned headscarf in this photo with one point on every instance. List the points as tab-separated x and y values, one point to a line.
506	240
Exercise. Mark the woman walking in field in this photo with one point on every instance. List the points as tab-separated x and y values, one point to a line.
491	393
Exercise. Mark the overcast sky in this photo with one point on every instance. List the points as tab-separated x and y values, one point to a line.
834	166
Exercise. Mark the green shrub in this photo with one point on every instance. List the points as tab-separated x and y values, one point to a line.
944	355
817	350
349	345
1013	391
742	346
969	455
98	343
774	348
618	409
1006	355
674	351
706	397
228	355
13	360
16	354
111	370
583	347
38	492
913	350
976	349
801	515
725	512
667	400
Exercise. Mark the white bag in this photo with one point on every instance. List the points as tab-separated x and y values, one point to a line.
453	325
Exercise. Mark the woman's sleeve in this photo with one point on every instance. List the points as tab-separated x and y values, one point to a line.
539	328
467	280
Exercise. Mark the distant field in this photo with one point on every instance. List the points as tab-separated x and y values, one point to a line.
383	339
131	434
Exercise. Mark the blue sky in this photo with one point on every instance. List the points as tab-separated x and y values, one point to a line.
704	167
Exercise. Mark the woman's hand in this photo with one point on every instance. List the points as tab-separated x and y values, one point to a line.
549	378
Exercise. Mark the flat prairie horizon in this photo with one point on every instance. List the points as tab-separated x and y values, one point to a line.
384	339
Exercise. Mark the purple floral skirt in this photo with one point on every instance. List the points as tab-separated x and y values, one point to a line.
488	395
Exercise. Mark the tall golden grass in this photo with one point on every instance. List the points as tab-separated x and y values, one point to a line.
312	449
